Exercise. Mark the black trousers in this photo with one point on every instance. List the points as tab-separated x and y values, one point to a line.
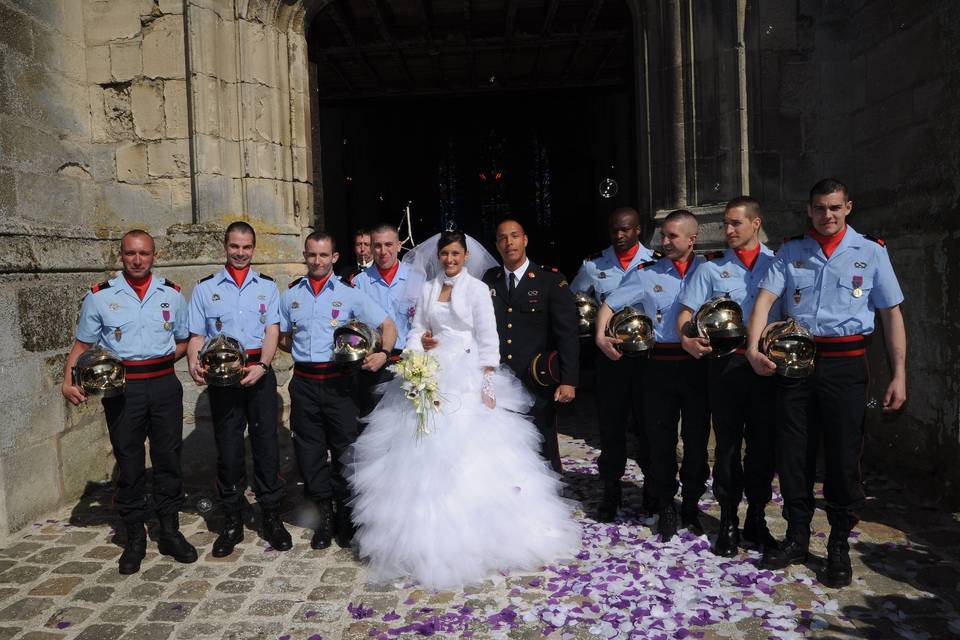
828	407
234	410
676	388
367	383
323	417
743	405
150	408
544	412
619	396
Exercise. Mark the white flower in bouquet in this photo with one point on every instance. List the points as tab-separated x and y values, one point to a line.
418	372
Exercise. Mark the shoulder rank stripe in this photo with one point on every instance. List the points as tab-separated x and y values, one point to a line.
266	277
648	263
204	279
102	285
713	255
875	239
294	282
657	254
170	283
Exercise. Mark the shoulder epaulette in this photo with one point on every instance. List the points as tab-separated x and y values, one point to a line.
713	255
648	263
294	282
349	279
98	287
875	239
546	268
266	277
594	256
657	254
170	283
799	236
204	279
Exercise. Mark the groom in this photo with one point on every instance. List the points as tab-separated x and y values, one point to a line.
535	313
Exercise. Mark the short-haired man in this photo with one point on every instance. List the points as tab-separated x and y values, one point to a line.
243	304
741	401
323	407
833	280
675	382
143	320
535	313
362	254
619	383
388	281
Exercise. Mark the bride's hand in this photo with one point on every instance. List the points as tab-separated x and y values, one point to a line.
428	341
487	393
487	400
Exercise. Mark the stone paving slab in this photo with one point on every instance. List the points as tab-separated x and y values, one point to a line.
58	580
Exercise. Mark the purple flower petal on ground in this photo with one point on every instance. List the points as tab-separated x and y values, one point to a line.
390	617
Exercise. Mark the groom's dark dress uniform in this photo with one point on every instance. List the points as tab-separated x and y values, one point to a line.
538	316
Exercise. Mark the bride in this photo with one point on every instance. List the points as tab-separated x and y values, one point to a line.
473	496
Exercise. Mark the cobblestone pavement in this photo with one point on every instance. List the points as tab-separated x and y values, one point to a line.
58	579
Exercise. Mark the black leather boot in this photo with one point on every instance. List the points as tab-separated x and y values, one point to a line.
230	535
343	523
170	542
838	572
755	529
690	517
610	503
134	549
728	538
323	533
793	549
273	530
667	526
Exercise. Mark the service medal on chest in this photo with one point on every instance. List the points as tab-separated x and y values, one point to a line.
658	288
218	324
659	315
857	282
117	334
796	296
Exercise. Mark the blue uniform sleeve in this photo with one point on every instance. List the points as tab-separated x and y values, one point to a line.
88	329
698	289
285	311
367	310
273	306
583	282
886	290
776	277
181	330
628	293
196	319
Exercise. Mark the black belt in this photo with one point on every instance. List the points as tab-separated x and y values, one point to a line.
319	370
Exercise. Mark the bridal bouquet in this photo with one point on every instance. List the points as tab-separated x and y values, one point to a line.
418	372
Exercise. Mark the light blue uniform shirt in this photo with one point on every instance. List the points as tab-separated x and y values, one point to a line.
835	297
654	289
727	275
114	317
601	274
311	320
244	312
397	298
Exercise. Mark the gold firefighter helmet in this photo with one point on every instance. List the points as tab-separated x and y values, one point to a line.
720	320
586	313
99	371
634	329
223	358
354	341
791	347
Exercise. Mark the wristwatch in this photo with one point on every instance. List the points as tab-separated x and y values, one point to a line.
266	367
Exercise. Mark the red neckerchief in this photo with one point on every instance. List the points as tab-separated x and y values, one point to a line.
140	285
828	243
238	275
683	266
748	256
627	255
317	285
389	274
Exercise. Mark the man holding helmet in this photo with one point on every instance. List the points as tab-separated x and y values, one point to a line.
741	401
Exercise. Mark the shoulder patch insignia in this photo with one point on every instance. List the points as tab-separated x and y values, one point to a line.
657	254
266	277
713	255
204	279
170	283
102	285
875	239
648	263
294	282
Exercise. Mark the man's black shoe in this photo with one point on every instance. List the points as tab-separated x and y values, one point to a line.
323	533
273	530
230	535
728	538
170	542
610	504
690	517
667	526
755	529
791	551
134	549
838	572
344	526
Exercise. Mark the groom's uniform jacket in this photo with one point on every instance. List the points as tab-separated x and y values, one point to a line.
540	316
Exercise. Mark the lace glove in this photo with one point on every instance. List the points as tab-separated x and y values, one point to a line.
486	390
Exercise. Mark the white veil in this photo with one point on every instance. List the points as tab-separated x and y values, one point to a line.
423	260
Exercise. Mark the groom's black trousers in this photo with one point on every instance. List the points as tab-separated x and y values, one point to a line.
544	414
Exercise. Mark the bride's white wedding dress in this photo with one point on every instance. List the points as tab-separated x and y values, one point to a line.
472	497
